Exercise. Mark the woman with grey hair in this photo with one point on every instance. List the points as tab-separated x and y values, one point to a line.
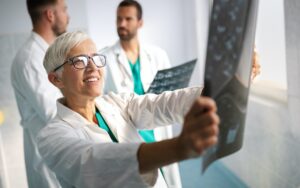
93	140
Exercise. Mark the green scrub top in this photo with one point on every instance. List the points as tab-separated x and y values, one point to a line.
148	135
102	124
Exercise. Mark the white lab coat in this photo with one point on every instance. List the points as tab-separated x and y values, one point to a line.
83	155
119	79
118	73
36	98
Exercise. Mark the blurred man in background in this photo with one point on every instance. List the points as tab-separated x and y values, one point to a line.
35	95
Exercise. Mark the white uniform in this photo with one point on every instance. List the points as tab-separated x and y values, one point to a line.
83	155
36	98
119	79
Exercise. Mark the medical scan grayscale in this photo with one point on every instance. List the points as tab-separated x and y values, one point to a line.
173	78
228	69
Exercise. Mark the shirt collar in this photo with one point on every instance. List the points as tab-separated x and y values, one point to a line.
69	115
118	48
39	39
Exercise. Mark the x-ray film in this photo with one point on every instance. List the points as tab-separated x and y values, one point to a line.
228	70
174	78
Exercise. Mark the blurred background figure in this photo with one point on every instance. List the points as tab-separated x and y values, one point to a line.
34	94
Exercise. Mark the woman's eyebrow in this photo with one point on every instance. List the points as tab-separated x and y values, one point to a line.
76	55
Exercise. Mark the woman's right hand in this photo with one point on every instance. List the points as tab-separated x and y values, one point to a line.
201	128
200	131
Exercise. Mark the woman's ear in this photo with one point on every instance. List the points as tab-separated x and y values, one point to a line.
55	80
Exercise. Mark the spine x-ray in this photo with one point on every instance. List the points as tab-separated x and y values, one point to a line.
227	71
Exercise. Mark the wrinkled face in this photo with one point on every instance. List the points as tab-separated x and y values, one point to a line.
85	83
61	18
127	23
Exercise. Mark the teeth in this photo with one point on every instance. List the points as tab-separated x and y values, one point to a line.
91	80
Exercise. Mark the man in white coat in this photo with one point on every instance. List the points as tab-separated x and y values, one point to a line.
35	96
131	66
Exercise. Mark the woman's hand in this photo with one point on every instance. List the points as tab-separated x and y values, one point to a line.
200	129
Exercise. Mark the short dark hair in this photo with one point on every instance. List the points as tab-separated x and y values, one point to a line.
128	3
34	8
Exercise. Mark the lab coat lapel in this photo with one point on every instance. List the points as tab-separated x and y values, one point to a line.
77	122
147	74
122	60
70	116
123	130
108	115
40	41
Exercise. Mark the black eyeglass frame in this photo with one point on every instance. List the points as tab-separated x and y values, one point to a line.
70	60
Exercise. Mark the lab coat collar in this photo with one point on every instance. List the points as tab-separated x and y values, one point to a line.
76	121
70	116
122	58
119	126
118	50
145	63
40	41
146	68
110	116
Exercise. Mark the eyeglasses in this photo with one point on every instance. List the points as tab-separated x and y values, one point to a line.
81	61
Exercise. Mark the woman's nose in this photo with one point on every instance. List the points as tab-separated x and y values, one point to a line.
91	65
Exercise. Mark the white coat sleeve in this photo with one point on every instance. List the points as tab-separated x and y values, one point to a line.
86	164
151	111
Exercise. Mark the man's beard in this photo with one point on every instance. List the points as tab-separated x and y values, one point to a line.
125	37
57	30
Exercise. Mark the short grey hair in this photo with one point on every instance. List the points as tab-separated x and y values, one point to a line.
57	52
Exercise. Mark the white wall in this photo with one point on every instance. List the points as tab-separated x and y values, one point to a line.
202	9
168	24
292	18
101	21
14	17
270	41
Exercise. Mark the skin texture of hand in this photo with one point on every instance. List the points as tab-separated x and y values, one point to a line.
200	131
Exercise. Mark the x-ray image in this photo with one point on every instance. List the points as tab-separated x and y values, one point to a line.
227	72
174	78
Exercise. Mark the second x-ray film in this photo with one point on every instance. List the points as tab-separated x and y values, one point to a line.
174	78
228	69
